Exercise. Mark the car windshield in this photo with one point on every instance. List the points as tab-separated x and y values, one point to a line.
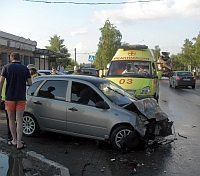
184	74
115	93
130	68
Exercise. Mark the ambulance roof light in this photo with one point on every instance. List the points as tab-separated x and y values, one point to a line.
129	47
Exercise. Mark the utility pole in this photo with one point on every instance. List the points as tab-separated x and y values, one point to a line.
75	57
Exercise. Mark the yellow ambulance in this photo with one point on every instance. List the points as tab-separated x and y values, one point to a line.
134	68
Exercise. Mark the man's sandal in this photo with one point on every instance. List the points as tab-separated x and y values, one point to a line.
23	146
11	144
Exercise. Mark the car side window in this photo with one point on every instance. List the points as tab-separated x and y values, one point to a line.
84	94
31	90
55	89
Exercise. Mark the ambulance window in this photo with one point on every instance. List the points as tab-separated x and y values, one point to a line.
117	67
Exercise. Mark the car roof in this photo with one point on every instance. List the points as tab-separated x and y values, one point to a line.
91	79
45	70
90	68
182	71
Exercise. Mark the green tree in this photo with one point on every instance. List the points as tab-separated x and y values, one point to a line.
156	51
177	63
188	53
108	44
197	50
60	50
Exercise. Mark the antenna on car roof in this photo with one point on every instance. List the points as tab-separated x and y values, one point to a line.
141	41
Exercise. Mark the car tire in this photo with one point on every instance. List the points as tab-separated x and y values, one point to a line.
170	84
118	133
174	85
30	125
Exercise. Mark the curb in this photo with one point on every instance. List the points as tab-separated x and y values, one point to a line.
63	170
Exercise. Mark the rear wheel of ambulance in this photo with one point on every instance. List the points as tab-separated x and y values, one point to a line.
118	134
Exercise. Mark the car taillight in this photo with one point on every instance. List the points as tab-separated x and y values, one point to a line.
178	78
194	78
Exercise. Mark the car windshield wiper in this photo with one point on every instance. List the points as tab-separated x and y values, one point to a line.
117	75
115	91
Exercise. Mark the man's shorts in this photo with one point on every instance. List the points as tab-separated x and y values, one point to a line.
15	105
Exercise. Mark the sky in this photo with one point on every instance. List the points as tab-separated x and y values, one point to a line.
166	23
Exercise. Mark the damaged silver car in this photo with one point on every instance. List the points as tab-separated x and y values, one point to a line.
91	107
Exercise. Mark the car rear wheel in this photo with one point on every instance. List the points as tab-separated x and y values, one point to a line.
193	87
119	133
30	125
174	85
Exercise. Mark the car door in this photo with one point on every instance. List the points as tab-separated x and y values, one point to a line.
83	118
50	106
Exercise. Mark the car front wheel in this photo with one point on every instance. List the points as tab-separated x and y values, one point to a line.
119	133
30	125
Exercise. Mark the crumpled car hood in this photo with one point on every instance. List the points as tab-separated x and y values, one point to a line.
150	108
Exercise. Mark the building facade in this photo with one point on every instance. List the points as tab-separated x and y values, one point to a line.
11	43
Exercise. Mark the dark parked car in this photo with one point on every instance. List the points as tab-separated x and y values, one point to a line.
182	79
92	107
68	72
90	71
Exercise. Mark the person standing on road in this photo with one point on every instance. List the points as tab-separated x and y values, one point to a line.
32	71
17	77
61	68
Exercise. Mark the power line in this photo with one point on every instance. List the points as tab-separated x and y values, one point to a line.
86	53
91	3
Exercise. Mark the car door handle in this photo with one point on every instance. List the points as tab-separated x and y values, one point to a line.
73	109
37	102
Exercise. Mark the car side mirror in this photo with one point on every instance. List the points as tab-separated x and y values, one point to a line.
102	105
159	74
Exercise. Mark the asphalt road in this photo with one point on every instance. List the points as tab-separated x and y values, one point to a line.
89	157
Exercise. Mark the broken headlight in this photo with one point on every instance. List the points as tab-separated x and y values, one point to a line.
143	118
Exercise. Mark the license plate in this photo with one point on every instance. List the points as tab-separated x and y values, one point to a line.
186	79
